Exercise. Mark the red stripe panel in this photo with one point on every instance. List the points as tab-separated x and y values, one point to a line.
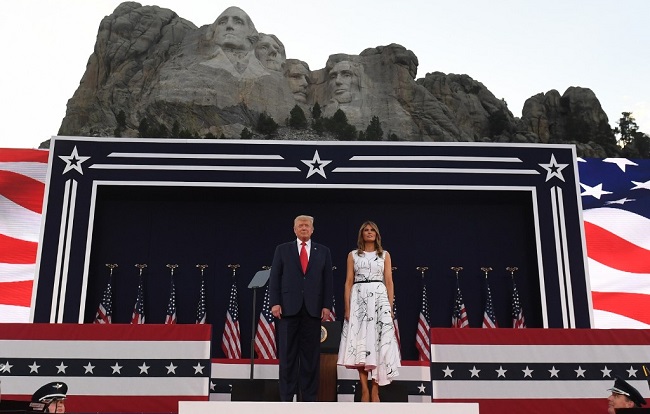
240	361
631	305
540	406
116	332
120	403
16	293
415	363
22	190
14	251
23	155
615	252
259	361
540	336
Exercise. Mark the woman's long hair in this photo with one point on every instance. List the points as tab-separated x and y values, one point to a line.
361	245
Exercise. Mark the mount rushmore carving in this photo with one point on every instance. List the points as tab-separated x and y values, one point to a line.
150	64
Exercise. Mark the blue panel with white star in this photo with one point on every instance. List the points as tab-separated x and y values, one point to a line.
548	173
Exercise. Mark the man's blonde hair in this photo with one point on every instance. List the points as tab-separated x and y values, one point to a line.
303	217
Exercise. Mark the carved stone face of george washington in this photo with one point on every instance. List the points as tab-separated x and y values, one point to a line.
233	29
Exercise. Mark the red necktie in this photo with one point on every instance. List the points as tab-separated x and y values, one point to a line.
303	257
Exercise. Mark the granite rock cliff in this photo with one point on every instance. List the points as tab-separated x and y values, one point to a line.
151	65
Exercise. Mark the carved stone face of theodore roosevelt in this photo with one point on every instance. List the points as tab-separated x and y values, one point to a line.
298	78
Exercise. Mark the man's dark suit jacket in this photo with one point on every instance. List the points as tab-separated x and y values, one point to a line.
289	287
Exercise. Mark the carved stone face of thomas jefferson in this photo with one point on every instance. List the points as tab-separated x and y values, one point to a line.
298	78
233	29
270	52
343	83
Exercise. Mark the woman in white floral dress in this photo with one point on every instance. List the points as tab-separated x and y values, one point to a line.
368	342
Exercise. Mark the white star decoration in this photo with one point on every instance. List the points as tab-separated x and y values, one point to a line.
595	191
73	161
606	372
117	369
638	185
553	169
631	372
6	367
501	372
61	368
212	385
448	372
33	368
316	165
171	368
421	389
580	372
89	368
527	372
621	162
621	201
554	372
198	369
474	372
144	368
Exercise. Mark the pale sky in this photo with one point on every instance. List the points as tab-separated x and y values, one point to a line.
516	48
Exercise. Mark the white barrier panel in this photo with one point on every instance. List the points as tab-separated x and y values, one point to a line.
414	377
244	407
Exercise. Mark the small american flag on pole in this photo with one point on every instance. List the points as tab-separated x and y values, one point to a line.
422	340
105	310
200	307
138	309
332	316
459	317
231	340
518	320
489	318
170	318
265	346
396	324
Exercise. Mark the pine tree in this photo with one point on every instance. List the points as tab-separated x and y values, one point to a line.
374	131
316	111
246	134
297	118
143	128
627	128
266	125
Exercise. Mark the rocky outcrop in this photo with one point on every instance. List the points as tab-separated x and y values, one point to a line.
576	115
152	67
132	44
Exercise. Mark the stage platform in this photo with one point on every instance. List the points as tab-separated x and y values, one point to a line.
241	407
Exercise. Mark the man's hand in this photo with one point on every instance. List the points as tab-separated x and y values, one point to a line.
324	314
276	310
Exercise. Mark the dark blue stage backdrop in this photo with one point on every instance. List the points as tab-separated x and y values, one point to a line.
220	202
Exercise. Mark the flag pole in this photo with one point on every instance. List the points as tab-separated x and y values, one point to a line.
201	304
255	284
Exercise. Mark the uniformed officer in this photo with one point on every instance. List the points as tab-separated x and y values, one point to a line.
50	398
623	396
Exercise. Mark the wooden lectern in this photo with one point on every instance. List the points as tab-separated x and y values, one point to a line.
329	347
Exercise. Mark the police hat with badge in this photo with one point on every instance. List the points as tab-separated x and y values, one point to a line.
46	395
621	387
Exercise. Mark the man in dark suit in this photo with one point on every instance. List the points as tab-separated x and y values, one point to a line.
300	292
